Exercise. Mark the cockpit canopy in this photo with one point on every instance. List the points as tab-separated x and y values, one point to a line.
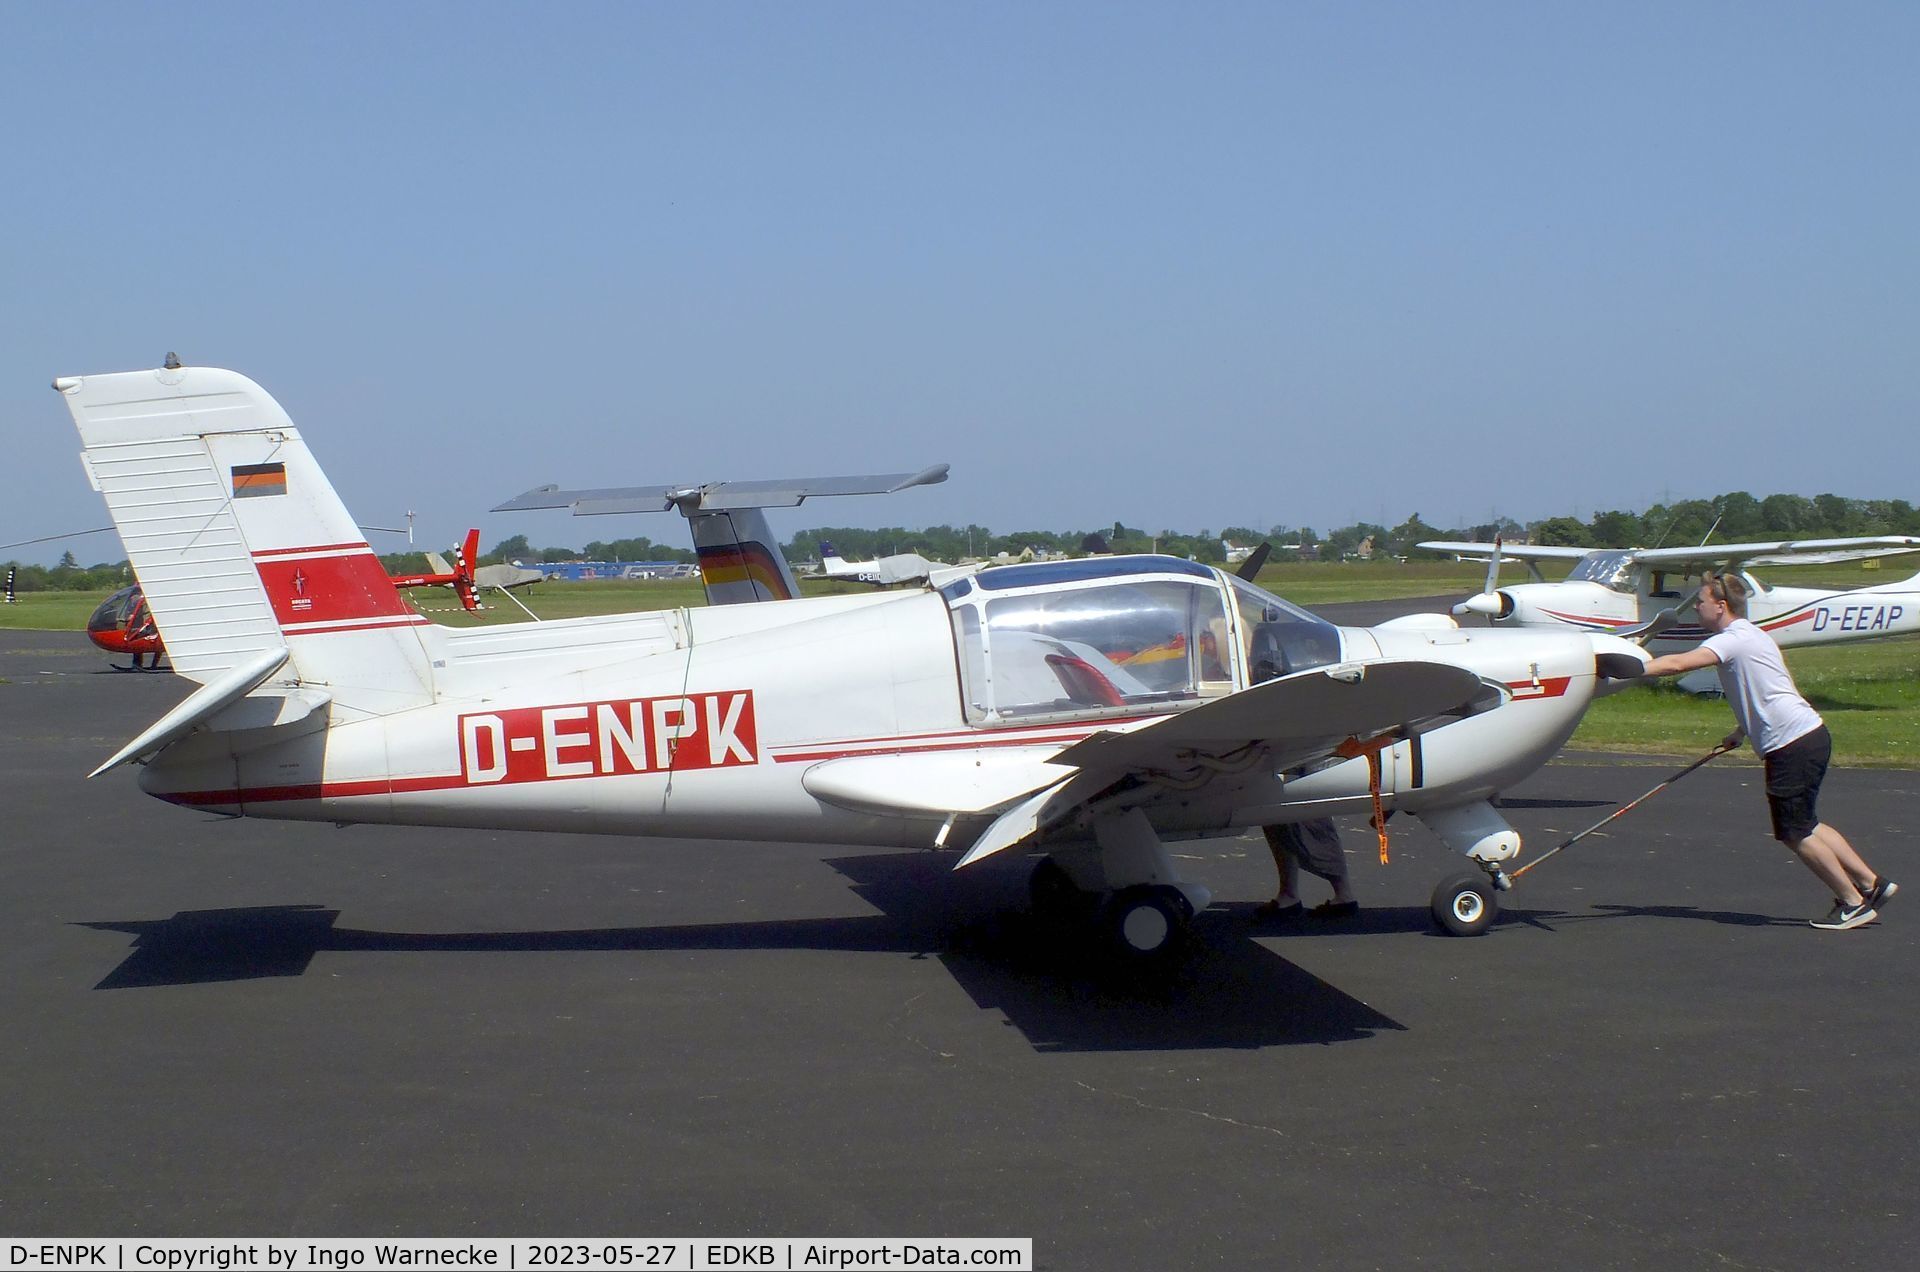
1119	635
1613	570
116	610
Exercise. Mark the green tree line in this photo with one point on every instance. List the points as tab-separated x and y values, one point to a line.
1730	518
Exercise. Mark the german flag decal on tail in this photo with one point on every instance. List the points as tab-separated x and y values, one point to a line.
253	480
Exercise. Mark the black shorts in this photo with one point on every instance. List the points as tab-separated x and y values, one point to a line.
1794	773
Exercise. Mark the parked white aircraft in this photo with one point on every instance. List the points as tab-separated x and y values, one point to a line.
1093	708
1235	553
901	567
1622	590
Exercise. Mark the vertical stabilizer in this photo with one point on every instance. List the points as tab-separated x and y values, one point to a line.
739	560
238	539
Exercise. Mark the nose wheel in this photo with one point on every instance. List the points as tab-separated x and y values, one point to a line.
1465	904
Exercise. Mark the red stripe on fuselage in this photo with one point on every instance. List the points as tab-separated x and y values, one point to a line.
314	790
1549	687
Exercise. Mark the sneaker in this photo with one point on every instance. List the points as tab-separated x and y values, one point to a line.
1881	893
1842	917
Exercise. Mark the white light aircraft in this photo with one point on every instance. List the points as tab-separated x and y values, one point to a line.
1094	708
1623	591
901	567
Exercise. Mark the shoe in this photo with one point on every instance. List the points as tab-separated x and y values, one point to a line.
1842	917
1881	893
1336	909
1277	909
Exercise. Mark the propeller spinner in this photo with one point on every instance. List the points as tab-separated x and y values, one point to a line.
1490	600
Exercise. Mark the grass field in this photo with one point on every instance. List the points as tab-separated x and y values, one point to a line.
1869	693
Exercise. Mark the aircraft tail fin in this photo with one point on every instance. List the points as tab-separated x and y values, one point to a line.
238	539
438	564
740	560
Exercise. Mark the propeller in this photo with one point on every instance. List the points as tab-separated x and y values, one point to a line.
1251	566
1489	600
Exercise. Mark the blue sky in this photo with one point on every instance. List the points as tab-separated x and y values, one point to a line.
1178	265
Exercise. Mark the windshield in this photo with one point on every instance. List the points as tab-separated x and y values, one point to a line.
1115	645
112	614
1281	638
1608	569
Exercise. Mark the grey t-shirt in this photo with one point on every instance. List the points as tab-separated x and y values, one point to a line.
1759	688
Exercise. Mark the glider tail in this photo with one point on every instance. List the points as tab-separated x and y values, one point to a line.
238	539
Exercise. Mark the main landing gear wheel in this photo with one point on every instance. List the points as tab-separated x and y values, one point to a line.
1147	924
1465	904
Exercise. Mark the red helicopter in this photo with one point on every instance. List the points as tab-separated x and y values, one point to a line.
124	625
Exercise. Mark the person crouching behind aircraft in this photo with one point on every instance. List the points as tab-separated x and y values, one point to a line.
1790	736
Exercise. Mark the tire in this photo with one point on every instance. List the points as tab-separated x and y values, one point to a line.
1465	904
1147	925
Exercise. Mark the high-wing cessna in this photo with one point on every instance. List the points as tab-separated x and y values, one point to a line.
1622	590
1092	708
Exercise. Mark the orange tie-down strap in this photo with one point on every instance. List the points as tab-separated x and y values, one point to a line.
1371	748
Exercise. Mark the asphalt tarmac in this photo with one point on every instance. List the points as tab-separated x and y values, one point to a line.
225	1028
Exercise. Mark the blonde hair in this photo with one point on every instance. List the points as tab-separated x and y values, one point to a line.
1728	588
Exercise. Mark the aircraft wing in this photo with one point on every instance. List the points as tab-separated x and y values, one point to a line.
719	496
1298	718
1278	725
1507	551
1780	551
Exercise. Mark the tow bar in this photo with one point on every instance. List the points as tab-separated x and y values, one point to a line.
1464	904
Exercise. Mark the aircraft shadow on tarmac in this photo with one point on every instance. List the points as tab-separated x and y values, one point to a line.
1232	992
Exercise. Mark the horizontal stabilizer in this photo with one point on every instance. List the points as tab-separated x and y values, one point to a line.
719	496
214	696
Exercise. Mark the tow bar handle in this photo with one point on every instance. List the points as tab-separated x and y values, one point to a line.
1621	811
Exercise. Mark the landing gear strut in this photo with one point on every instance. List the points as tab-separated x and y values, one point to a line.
1122	890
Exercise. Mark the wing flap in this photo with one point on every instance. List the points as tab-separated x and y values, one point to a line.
934	782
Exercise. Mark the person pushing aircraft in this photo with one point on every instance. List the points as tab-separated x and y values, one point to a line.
1790	736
